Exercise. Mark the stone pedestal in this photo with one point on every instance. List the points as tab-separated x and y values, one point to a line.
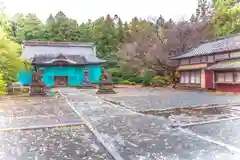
37	87
37	90
86	84
105	88
106	84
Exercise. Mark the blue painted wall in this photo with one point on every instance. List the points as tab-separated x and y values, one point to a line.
25	77
75	75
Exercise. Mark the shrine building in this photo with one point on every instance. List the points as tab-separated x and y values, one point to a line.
212	65
63	63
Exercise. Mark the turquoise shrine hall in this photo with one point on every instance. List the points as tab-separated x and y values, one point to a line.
63	63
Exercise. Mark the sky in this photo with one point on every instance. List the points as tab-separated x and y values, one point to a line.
82	10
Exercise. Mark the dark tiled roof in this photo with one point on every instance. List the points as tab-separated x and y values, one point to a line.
230	64
75	59
58	44
219	45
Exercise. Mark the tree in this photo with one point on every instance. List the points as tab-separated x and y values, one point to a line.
49	28
4	22
19	20
202	10
10	63
121	31
105	36
33	27
226	17
153	46
2	85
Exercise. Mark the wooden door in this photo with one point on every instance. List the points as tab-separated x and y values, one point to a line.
60	81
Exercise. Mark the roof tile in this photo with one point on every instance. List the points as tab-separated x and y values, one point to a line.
230	64
219	45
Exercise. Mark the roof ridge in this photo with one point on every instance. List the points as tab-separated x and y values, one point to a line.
63	44
35	41
200	48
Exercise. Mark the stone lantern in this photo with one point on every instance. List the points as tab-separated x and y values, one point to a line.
37	87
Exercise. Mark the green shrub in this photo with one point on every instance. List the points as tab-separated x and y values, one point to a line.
167	79
136	79
159	81
147	79
2	85
117	79
116	72
127	82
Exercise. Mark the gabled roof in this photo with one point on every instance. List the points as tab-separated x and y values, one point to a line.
232	64
71	50
58	44
71	59
220	45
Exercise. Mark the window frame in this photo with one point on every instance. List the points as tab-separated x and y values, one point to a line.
185	61
237	77
197	60
187	78
225	76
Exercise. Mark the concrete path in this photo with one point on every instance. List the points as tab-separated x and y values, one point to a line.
132	136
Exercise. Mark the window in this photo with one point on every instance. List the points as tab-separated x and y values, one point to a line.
184	61
182	77
237	77
195	60
186	77
229	77
210	59
235	55
225	77
221	56
191	77
220	77
198	77
204	59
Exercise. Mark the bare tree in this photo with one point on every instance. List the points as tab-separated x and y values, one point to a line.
152	47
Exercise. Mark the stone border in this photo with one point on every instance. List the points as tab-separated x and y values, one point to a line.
202	123
41	126
112	151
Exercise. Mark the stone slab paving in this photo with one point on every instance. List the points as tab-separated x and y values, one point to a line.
45	128
225	131
144	99
20	112
185	117
61	143
136	136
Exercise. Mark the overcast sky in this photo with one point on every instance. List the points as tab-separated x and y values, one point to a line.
82	10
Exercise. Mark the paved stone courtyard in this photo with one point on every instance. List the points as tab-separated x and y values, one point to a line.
134	124
44	128
134	135
143	99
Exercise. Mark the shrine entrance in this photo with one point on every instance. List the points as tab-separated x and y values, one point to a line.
60	81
